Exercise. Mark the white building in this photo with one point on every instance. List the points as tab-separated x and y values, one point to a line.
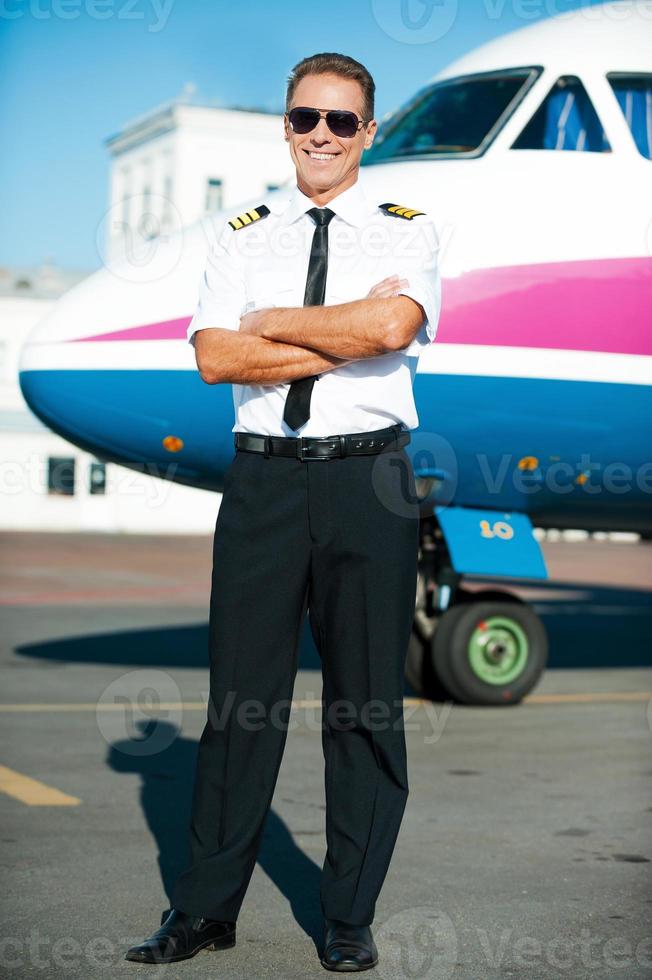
167	170
177	163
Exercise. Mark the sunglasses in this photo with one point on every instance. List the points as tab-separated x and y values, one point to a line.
340	122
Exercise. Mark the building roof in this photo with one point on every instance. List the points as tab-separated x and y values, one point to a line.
46	281
163	118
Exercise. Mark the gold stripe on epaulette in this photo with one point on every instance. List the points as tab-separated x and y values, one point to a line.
399	211
254	214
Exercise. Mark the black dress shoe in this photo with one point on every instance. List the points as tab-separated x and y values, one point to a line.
180	937
348	948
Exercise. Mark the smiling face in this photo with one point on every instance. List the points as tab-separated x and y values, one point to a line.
327	164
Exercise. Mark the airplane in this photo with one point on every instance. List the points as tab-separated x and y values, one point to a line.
533	155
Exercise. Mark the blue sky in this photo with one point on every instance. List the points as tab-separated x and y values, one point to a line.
72	72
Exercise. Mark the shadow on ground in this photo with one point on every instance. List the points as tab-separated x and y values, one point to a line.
607	627
165	761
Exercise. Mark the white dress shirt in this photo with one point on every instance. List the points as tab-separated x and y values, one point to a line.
265	264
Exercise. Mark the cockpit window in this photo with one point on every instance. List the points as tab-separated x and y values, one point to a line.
634	94
456	117
565	120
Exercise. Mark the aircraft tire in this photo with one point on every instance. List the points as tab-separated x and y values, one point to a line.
490	653
419	671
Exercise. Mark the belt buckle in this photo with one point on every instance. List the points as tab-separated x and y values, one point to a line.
303	452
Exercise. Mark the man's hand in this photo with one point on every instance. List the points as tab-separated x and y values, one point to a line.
382	322
391	286
252	323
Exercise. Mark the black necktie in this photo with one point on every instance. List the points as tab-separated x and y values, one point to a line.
297	404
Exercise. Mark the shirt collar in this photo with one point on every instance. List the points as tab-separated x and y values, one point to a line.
351	206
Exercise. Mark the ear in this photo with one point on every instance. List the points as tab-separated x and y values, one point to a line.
370	133
286	128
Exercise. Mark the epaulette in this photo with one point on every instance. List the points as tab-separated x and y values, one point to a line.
397	211
249	216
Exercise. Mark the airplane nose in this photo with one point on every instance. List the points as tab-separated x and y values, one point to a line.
70	366
110	370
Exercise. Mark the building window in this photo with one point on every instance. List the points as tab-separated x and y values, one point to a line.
166	217
148	226
126	195
61	475
634	95
97	478
214	195
272	187
566	120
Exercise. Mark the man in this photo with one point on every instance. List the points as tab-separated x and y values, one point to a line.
315	308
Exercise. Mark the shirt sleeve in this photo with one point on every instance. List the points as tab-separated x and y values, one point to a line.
222	292
419	264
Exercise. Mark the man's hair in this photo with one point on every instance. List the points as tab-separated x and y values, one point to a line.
331	63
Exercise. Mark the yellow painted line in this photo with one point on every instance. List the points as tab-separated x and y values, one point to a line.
585	698
600	696
94	706
31	791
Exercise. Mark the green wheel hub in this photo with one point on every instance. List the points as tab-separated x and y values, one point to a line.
498	650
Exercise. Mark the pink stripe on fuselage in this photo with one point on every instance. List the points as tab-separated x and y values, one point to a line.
592	305
167	330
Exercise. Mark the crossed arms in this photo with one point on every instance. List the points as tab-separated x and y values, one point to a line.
283	344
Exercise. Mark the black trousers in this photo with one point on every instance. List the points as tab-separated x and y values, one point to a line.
337	537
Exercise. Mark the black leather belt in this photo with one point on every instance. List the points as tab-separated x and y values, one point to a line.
324	447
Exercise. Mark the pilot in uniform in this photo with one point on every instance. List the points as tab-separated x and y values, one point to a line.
318	515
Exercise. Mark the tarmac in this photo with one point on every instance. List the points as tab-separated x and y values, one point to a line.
526	844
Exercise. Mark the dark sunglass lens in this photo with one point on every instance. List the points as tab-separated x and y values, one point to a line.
303	120
343	124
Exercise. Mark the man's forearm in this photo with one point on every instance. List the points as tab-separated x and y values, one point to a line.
227	356
360	329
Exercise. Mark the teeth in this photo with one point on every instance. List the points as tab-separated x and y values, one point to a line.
321	156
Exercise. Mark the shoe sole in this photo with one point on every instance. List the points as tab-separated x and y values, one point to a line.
348	968
212	944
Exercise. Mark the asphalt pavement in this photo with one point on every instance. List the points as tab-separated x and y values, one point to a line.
526	844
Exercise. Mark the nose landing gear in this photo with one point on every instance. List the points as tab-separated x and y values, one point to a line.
486	647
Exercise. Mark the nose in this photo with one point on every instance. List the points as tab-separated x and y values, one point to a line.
321	133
